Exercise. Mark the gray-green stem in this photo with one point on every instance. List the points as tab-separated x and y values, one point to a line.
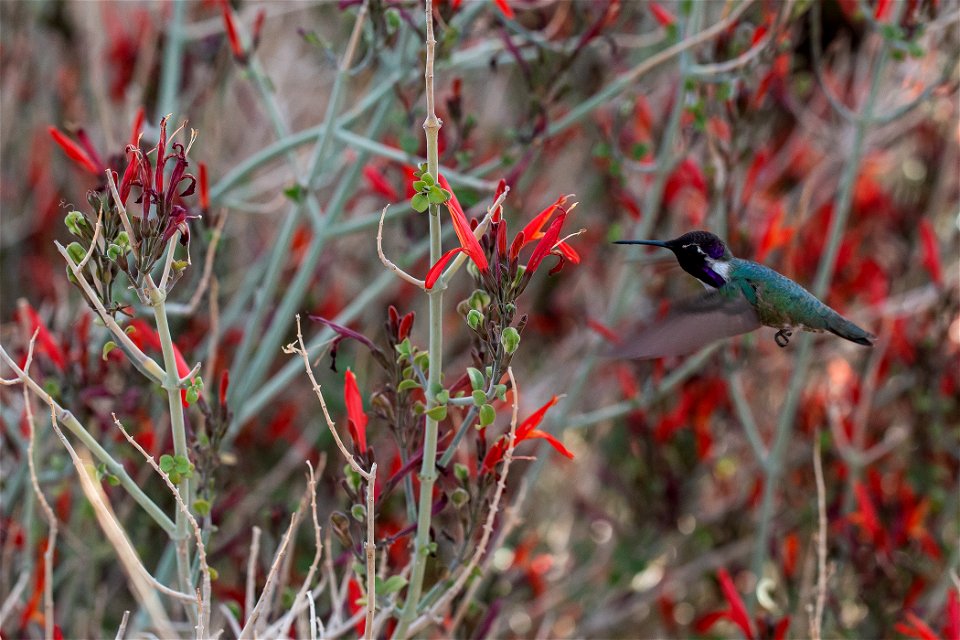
428	470
178	429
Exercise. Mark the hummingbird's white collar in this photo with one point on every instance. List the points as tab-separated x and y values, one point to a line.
720	267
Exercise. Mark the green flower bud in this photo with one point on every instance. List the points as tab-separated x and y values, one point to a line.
474	318
510	339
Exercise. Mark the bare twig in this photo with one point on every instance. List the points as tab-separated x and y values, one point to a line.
251	573
207	265
123	625
44	505
369	476
284	622
816	621
403	275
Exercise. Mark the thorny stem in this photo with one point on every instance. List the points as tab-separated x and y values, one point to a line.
816	621
428	470
370	477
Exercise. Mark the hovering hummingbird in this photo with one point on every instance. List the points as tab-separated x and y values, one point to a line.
742	296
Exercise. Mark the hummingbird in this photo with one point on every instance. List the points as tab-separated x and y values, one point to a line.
741	296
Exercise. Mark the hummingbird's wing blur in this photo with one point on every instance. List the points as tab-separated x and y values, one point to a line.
691	324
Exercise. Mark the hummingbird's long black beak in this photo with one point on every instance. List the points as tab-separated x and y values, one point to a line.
652	243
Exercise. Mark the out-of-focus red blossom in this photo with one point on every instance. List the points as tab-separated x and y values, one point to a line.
125	34
233	36
75	152
774	78
533	567
866	515
773	233
224	385
914	627
469	243
378	183
951	627
356	418
686	191
697	403
45	343
505	8
736	611
603	331
761	159
526	430
791	548
930	252
146	338
882	10
663	17
354	594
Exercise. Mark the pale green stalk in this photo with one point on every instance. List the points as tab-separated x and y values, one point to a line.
177	427
428	469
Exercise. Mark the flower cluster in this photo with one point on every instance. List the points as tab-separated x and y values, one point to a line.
114	238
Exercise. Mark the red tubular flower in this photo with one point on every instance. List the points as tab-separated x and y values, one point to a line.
356	418
505	8
45	343
434	274
74	151
931	252
663	17
379	184
916	628
204	188
738	611
527	430
471	246
532	230
232	35
545	246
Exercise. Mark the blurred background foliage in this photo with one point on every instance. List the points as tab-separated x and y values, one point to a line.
765	130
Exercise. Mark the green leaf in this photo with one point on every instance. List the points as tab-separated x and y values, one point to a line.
393	584
407	385
427	178
461	471
476	378
295	193
201	506
479	397
487	415
113	480
500	390
420	203
359	512
436	195
438	412
166	463
419	185
108	346
443	397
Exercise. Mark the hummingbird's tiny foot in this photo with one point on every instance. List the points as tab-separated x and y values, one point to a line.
783	337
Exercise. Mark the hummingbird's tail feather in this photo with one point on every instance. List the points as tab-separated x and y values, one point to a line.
845	329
